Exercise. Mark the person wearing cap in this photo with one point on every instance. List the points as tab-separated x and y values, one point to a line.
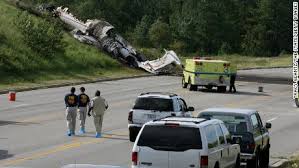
71	102
98	106
83	101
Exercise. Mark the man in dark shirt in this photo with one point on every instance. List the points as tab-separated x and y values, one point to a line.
83	101
71	103
232	83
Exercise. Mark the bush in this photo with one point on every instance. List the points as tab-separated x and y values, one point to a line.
178	46
41	36
159	34
225	49
140	34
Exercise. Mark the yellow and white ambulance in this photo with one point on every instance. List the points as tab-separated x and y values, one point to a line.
208	73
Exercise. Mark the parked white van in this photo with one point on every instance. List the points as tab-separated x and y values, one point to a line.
154	105
179	142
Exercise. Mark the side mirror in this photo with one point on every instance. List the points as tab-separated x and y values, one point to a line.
190	109
268	125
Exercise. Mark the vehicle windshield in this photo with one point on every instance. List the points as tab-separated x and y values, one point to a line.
169	138
234	123
156	104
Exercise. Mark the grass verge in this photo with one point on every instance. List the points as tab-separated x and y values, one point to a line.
241	61
78	62
293	163
21	67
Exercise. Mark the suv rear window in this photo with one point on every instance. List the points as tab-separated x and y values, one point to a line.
169	138
157	104
234	123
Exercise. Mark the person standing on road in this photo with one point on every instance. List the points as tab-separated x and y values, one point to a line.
232	83
83	101
98	106
71	102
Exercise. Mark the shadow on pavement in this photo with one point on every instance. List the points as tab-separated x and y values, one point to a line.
3	123
237	93
4	154
265	79
105	136
117	138
251	93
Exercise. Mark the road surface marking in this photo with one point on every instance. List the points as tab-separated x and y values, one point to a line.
75	144
255	99
247	101
20	105
272	119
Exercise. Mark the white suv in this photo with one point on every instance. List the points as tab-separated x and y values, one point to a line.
155	105
179	142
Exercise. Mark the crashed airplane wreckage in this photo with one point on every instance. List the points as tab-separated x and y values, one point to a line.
101	34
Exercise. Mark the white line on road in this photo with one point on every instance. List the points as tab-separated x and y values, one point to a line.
272	119
21	105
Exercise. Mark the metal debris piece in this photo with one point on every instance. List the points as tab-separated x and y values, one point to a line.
101	34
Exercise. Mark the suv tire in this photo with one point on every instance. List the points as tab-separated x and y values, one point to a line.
238	162
221	89
209	87
191	87
255	162
132	135
184	84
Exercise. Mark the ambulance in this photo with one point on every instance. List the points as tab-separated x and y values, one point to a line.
202	71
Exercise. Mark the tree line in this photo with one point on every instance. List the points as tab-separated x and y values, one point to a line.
251	27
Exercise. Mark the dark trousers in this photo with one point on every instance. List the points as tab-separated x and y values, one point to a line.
232	83
232	87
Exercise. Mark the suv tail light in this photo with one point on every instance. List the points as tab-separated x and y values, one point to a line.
130	117
251	146
204	161
134	158
172	124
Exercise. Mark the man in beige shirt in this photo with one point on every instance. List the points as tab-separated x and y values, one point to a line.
98	106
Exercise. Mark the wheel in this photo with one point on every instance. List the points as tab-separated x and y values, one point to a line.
190	86
184	84
297	102
216	165
238	162
221	89
209	87
265	158
132	135
254	163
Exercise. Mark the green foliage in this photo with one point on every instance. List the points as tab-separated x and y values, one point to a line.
178	46
20	64
225	49
140	34
270	30
253	27
159	34
41	36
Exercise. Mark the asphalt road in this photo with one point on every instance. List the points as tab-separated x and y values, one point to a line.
33	129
